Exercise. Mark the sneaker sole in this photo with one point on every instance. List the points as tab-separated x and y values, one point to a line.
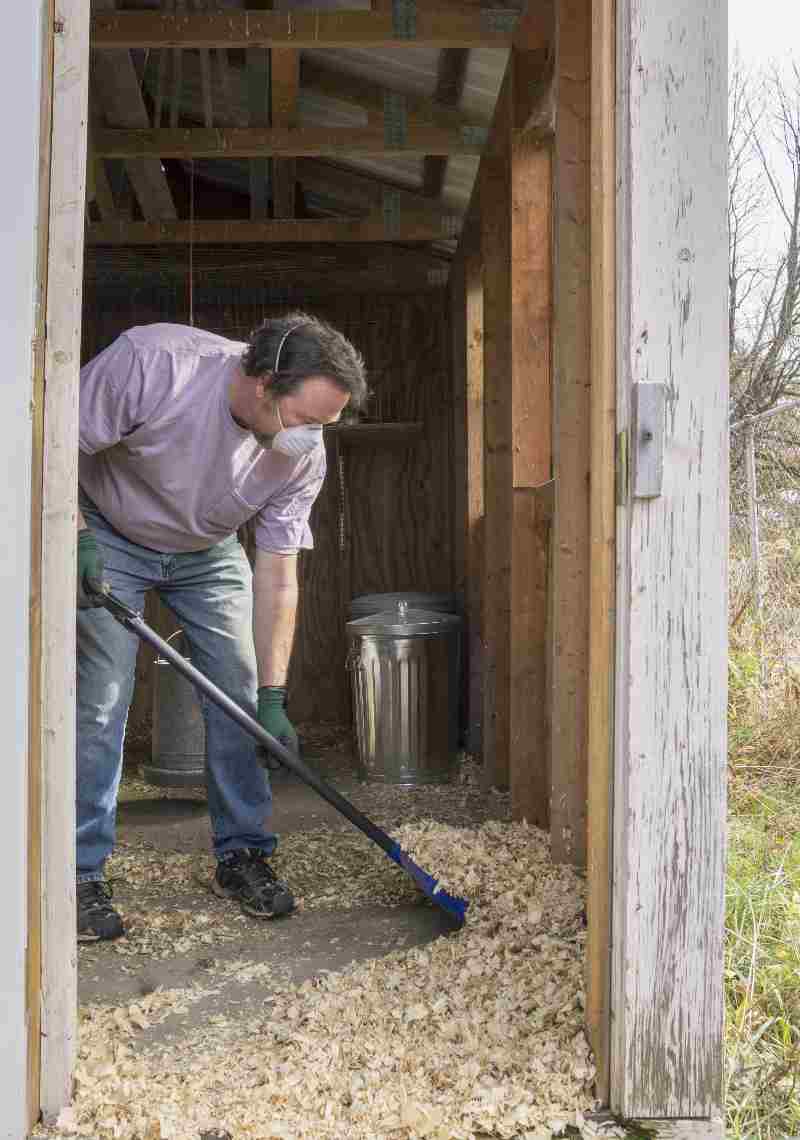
92	937
279	912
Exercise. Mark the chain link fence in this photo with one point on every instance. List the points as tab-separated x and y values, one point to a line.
765	553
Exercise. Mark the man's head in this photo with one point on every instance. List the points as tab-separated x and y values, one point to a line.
297	370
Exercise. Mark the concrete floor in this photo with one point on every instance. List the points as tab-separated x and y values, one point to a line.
208	942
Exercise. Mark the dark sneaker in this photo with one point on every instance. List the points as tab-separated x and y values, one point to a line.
97	919
247	877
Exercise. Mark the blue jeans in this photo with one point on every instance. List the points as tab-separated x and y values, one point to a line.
210	593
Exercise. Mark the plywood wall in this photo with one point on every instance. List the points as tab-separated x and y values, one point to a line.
383	519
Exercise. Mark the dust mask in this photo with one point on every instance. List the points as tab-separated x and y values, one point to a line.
296	441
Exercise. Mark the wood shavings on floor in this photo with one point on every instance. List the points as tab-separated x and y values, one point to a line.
479	1033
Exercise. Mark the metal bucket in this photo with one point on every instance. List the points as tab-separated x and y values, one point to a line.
179	734
405	670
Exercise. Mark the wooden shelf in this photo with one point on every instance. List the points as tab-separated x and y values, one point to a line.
367	434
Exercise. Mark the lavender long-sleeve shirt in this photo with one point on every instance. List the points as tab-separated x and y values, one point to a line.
165	462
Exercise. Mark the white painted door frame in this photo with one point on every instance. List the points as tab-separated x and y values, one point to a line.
59	1002
670	716
20	92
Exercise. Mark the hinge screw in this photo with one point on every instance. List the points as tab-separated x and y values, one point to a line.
58	27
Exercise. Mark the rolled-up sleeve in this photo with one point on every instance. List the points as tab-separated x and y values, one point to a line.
111	390
282	524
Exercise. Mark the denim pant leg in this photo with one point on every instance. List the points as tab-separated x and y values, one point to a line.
106	664
211	594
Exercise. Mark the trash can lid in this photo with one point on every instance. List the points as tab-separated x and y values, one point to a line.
365	604
404	622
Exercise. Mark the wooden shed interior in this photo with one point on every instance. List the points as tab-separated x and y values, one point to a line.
418	173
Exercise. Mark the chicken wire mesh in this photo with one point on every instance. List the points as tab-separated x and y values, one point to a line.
765	551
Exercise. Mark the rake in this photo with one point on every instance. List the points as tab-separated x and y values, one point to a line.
454	907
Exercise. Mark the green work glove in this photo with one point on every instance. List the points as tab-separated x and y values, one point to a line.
90	569
272	717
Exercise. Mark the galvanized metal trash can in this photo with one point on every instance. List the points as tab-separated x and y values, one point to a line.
405	670
178	757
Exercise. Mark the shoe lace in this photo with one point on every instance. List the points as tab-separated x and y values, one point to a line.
257	873
95	896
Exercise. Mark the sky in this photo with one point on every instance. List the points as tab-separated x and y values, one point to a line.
765	31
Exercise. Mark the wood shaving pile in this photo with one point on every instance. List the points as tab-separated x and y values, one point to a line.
477	1034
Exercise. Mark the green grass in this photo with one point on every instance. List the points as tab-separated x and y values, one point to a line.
762	961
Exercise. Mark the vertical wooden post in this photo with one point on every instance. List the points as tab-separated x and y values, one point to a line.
571	436
466	285
670	735
473	289
602	527
59	515
531	324
495	202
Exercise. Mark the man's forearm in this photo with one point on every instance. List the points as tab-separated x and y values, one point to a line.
275	611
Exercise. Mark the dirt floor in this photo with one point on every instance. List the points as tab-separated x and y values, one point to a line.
364	1015
179	933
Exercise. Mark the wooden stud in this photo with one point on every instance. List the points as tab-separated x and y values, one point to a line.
495	191
285	88
531	326
245	233
570	592
258	115
449	89
59	515
436	26
602	526
473	288
245	142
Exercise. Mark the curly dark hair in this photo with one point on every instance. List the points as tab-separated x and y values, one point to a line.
301	346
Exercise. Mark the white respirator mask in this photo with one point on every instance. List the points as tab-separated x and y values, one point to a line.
297	441
293	441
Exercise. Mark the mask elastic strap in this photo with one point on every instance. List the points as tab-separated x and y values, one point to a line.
283	340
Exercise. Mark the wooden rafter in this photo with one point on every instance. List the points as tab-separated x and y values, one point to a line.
278	230
117	88
261	142
370	96
449	89
365	193
437	25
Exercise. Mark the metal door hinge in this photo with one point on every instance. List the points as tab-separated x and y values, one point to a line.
648	435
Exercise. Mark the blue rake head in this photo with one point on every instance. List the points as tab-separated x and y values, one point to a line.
453	906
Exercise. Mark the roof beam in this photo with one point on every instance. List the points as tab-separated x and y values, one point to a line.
437	25
261	142
276	230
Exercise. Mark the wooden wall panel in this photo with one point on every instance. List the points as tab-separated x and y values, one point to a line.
398	500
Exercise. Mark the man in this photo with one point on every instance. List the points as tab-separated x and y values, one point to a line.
185	435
